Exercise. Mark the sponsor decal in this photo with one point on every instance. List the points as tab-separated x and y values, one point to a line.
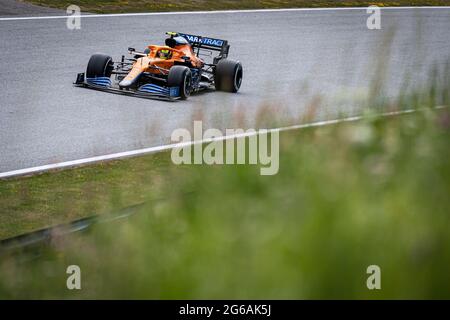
203	40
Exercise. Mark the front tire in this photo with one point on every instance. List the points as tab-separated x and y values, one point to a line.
180	76
99	65
228	75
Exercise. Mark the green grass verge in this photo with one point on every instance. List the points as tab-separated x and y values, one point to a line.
58	197
119	6
346	196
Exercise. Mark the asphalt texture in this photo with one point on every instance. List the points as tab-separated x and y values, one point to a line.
316	63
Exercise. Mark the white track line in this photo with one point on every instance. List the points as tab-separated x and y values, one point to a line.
207	12
127	154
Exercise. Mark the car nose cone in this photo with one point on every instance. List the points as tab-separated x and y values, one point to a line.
126	83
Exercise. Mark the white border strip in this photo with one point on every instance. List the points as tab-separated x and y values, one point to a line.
133	153
207	12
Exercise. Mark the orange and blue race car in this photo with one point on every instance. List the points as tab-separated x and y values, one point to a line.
172	71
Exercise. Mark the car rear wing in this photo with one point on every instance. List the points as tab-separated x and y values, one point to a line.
207	43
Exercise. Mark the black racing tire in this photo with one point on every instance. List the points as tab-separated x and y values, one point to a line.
99	65
180	76
228	75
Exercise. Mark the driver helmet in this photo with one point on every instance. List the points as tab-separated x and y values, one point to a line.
164	54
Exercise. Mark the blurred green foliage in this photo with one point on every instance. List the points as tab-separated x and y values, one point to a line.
347	196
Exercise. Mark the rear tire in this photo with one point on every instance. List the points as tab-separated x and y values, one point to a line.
180	76
228	75
99	65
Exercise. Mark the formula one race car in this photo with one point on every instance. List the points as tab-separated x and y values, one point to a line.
173	71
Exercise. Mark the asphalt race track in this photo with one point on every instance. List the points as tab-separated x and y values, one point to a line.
290	59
